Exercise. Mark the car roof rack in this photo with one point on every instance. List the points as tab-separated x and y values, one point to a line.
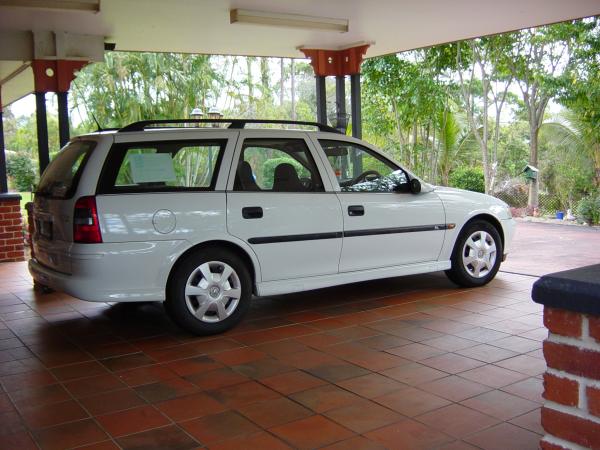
235	124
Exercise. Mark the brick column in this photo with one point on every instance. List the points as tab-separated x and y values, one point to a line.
11	228
571	413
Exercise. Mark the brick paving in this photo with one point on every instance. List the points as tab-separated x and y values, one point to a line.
412	362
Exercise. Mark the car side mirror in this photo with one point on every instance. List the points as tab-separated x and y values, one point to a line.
414	186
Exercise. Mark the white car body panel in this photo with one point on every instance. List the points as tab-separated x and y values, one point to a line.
145	234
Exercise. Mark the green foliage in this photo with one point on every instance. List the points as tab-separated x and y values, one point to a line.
21	170
589	209
469	178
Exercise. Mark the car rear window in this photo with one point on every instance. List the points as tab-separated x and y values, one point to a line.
61	177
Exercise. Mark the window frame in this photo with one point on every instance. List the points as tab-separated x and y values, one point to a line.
292	136
374	153
116	155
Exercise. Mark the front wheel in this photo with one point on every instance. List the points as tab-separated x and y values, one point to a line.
476	256
209	292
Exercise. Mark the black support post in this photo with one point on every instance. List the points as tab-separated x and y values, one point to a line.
42	130
340	100
321	100
3	179
355	106
63	118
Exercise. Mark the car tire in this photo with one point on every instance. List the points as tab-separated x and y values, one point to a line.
477	255
200	300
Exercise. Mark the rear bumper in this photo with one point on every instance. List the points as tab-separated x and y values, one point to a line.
123	272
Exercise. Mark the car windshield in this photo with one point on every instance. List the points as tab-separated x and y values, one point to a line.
60	178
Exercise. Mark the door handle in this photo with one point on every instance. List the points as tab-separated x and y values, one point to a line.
356	210
252	212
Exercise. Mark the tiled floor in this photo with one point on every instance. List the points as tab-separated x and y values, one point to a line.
410	363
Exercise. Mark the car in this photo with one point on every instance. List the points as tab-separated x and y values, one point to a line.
204	214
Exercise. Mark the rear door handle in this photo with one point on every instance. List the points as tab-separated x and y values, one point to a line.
356	210
252	212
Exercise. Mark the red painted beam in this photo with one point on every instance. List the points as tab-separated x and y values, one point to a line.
336	62
54	75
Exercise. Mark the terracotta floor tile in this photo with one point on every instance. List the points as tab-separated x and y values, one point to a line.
338	371
132	421
32	380
412	402
280	348
449	343
457	420
325	398
93	385
243	394
530	389
454	388
27	398
416	351
320	341
111	401
307	359
500	404
493	376
238	356
165	390
458	445
190	366
127	362
190	407
411	434
363	416
482	334
290	382
145	375
486	353
312	432
218	427
452	363
72	434
166	438
516	344
414	374
530	421
353	333
11	423
505	436
524	364
384	342
21	441
416	334
262	441
82	370
355	443
42	416
104	445
262	368
371	385
274	412
216	379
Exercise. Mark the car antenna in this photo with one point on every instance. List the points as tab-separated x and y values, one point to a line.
87	110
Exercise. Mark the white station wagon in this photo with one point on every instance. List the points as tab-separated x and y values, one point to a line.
202	218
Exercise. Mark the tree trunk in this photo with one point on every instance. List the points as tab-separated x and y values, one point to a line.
293	82
596	154
533	199
281	81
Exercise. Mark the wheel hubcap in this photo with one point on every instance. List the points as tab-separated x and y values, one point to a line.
479	254
213	291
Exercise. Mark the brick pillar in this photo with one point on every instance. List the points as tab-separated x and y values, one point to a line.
11	228
571	412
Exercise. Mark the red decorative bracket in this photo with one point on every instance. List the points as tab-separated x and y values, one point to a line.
336	62
54	75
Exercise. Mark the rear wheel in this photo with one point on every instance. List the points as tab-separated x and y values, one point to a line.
210	292
477	255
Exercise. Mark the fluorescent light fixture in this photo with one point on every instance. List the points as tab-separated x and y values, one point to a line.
288	20
67	5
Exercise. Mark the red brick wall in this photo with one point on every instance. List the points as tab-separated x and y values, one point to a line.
571	413
11	231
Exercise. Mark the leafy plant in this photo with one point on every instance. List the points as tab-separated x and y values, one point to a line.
21	169
469	178
589	209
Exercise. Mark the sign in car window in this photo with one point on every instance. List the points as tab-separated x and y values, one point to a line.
152	168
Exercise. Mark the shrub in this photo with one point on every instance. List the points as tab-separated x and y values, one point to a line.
469	178
589	209
21	169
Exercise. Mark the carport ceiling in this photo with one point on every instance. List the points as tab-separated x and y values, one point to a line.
203	26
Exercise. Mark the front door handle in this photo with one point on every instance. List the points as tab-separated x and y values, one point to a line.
356	210
252	212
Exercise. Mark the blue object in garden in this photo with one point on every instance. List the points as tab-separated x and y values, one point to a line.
560	215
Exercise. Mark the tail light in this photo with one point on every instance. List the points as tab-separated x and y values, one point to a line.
86	229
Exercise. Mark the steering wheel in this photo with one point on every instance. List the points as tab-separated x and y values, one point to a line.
363	176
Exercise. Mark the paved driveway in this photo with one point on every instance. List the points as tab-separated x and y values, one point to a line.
540	248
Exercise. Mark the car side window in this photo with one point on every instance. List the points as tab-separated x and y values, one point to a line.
277	165
163	166
358	169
